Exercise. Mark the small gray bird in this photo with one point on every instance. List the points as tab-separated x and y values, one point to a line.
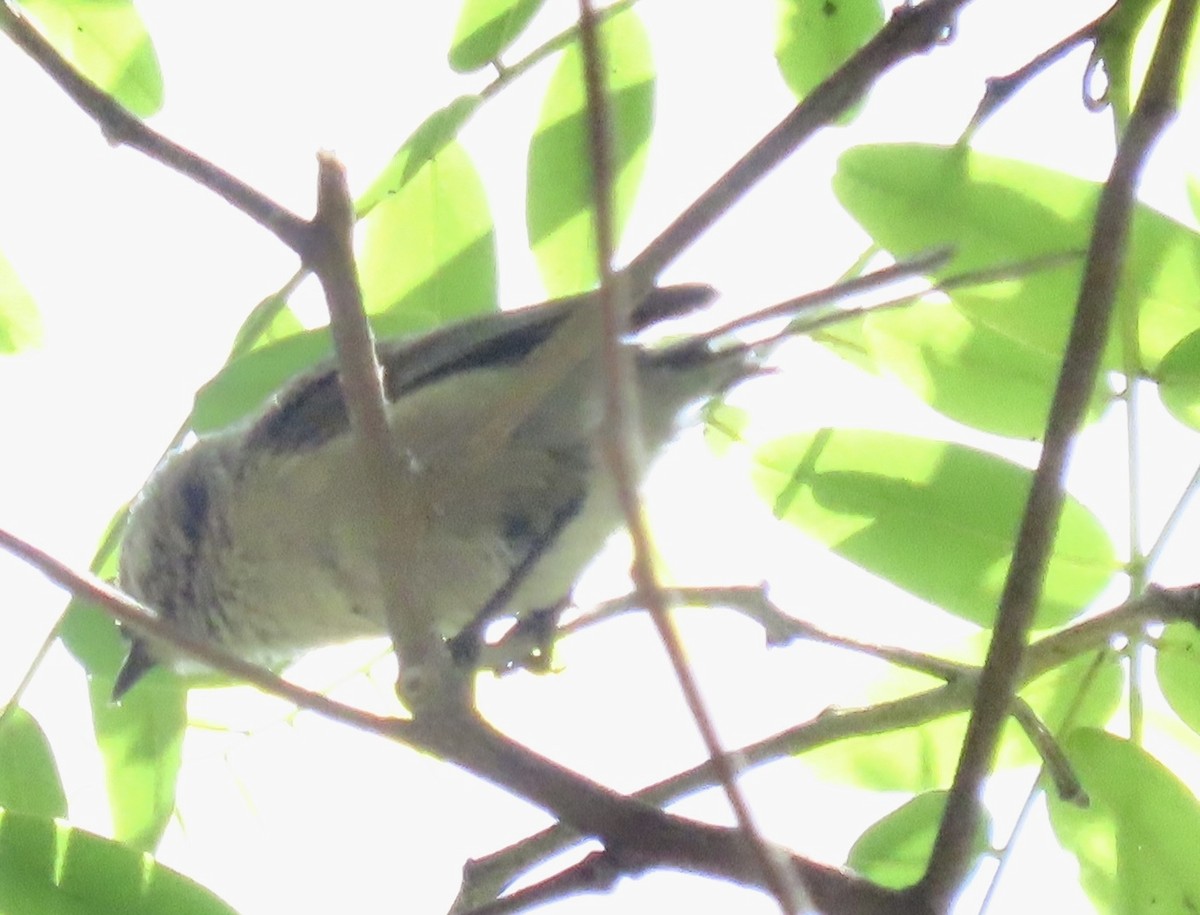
253	538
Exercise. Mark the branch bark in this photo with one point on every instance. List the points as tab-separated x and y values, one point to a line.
488	876
122	128
1081	360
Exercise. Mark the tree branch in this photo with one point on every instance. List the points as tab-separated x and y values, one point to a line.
999	89
1089	333
122	128
487	877
636	834
639	835
911	30
622	449
391	503
129	613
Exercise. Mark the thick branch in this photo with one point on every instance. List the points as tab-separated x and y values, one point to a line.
393	509
640	835
488	876
1089	333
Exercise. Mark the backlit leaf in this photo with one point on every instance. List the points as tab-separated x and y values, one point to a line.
935	518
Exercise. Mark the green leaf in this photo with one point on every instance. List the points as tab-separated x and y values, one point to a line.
427	257
245	383
1090	835
1125	42
141	739
994	211
486	28
1177	665
724	425
894	851
271	319
88	632
1136	842
93	638
20	326
47	867
435	133
107	41
923	757
815	37
1178	378
1114	49
559	202
29	781
438	218
935	518
1084	692
913	759
959	366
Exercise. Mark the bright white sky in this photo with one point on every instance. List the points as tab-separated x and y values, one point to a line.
142	280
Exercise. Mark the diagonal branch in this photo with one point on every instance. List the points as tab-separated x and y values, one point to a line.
911	30
637	832
486	877
638	835
1081	360
122	128
621	406
999	89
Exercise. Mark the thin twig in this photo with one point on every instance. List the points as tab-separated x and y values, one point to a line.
129	613
489	875
1089	332
710	849
643	835
924	263
507	75
121	127
621	405
911	30
1054	761
812	309
261	317
778	627
999	89
1168	528
1004	859
14	700
637	835
595	873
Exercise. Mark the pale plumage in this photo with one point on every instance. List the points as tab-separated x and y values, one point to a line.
251	538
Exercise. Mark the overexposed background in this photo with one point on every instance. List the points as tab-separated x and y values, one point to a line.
142	280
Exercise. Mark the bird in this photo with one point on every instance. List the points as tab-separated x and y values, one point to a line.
253	538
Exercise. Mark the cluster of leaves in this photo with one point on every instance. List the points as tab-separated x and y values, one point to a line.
936	518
